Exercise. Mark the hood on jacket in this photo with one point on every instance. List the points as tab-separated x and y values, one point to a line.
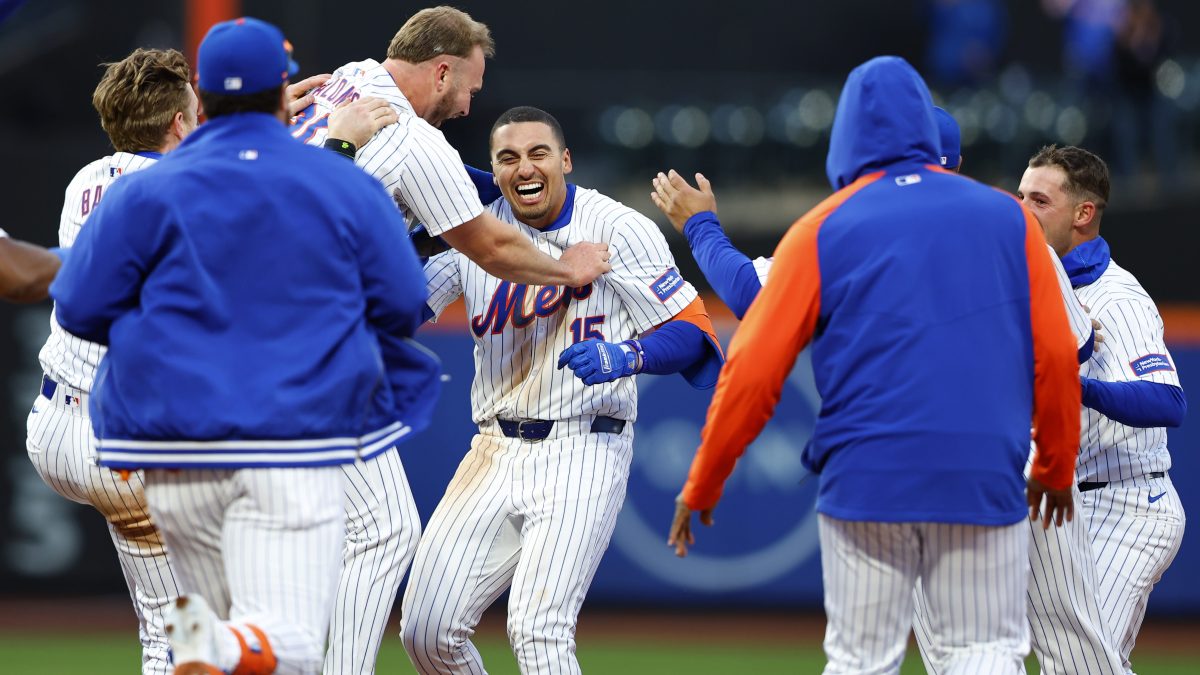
884	117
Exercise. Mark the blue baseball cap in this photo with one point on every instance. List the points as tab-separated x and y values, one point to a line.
949	134
244	56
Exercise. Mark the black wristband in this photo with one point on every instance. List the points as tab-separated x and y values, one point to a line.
341	147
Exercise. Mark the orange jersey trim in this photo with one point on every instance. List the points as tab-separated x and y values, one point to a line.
778	325
697	315
1056	389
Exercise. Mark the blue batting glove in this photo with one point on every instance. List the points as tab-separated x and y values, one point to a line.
594	361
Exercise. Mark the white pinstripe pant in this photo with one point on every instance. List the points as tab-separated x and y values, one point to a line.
60	445
262	546
974	577
1070	634
1134	541
537	516
382	528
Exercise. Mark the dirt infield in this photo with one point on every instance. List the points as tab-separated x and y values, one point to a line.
107	614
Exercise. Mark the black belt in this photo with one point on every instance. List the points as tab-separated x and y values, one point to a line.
1087	485
537	430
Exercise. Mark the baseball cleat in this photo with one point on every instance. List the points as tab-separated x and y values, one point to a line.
189	626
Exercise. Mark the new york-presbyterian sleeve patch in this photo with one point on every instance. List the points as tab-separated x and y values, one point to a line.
1150	363
667	285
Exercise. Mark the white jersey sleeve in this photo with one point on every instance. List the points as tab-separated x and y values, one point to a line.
3	234
1077	316
443	279
762	267
411	159
644	273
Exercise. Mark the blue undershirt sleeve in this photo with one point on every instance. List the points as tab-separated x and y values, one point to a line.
681	347
1137	404
730	271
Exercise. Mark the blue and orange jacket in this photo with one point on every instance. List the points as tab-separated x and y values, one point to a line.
937	327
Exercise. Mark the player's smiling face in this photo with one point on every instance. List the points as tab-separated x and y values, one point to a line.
531	168
1042	191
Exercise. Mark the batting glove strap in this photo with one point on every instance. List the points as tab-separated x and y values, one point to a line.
633	348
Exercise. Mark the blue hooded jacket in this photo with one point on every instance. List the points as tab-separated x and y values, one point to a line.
258	299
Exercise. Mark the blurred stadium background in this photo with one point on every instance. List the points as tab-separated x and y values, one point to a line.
744	93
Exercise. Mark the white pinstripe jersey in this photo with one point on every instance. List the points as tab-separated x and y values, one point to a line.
68	359
412	159
1133	350
1081	324
520	331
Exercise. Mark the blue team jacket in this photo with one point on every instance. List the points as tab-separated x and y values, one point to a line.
938	332
258	298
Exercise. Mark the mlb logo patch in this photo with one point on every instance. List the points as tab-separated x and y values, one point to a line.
114	171
233	84
911	179
1150	363
667	285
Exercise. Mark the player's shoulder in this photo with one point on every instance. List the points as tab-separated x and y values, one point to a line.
598	211
1118	286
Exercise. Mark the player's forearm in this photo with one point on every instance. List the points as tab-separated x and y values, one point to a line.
503	252
730	272
1136	404
673	347
26	271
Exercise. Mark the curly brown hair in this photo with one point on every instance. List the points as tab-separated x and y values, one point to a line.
438	31
139	95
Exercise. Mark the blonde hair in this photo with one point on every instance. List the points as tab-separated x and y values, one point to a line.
139	95
439	31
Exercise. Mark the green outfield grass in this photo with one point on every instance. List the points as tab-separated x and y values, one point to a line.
115	655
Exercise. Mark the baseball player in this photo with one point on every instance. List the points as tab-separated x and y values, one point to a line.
146	106
26	270
919	467
1131	393
434	66
533	504
191	280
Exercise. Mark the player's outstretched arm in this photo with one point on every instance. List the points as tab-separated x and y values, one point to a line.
693	212
502	251
26	270
686	344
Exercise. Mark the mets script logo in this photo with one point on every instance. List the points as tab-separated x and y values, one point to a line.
509	304
766	523
1150	363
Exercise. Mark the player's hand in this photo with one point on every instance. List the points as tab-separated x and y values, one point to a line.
678	200
585	261
1059	504
358	122
681	536
1096	328
596	361
299	94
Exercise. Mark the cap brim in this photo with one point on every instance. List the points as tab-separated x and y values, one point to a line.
293	67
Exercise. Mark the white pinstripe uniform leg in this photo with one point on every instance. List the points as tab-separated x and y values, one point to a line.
1068	631
974	578
382	529
262	546
536	515
60	446
1131	558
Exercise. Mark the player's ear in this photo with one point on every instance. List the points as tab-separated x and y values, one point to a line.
1085	214
441	75
566	160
